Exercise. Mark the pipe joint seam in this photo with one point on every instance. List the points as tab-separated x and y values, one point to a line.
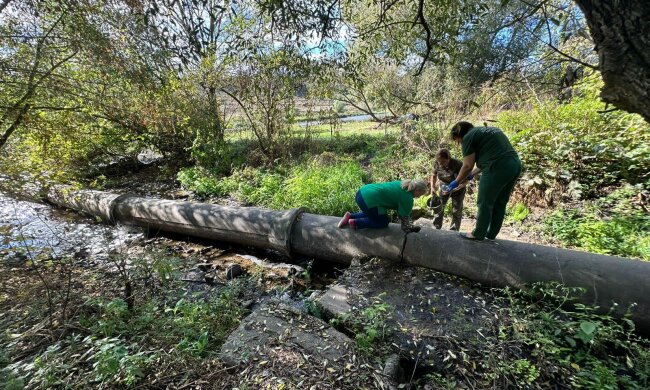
113	205
294	215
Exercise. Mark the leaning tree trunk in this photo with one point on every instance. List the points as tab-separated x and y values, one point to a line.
621	31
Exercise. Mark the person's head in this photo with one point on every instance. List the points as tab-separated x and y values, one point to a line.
416	187
459	130
443	156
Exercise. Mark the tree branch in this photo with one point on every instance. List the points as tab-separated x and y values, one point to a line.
423	22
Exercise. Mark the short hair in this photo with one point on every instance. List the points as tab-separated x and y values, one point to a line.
414	185
443	153
460	129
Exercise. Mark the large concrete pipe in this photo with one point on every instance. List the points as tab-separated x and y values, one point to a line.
240	225
607	279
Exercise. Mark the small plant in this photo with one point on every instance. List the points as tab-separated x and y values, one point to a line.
113	362
517	213
586	349
370	325
623	235
313	308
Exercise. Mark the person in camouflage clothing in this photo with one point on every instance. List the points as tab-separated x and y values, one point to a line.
445	170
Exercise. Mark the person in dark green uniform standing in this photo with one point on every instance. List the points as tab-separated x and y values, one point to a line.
375	199
494	156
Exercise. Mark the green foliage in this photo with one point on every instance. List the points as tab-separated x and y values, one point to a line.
624	231
523	369
114	362
325	185
571	150
322	187
201	181
370	325
314	308
586	349
194	326
517	213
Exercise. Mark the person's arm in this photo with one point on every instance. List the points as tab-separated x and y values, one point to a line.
468	164
404	209
432	182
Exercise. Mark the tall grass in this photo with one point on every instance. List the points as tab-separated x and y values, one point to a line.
323	185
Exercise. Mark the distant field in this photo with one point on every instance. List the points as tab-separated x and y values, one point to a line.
241	130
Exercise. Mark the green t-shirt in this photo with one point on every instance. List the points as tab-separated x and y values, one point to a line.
388	195
489	144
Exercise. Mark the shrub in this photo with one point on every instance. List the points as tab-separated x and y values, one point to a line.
611	225
570	149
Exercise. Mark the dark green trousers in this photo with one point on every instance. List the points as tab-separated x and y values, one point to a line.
494	191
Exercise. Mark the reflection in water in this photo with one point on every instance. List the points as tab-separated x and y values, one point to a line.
28	229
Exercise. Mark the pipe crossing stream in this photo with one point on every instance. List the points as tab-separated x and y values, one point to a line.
611	282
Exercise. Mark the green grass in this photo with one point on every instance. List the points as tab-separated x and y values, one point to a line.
323	185
346	129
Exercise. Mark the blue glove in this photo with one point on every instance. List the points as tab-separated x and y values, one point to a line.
452	185
470	176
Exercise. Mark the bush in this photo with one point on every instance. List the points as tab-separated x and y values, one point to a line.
611	225
570	149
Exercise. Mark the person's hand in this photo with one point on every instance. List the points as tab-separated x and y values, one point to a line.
452	186
470	176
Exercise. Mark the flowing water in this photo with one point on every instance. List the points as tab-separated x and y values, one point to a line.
28	229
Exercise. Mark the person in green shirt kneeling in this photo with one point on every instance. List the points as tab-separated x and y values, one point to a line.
494	156
375	199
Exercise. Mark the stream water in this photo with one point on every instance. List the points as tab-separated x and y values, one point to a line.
28	229
351	118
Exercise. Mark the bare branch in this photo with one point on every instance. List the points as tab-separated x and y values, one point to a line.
423	22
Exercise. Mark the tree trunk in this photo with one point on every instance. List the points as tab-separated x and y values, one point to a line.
621	31
215	116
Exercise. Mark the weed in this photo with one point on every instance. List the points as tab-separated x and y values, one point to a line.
588	349
517	213
623	234
322	185
369	326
